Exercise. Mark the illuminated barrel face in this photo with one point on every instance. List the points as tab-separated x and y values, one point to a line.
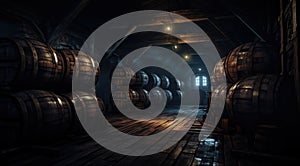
250	59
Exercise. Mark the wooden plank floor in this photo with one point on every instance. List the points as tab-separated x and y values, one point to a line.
218	149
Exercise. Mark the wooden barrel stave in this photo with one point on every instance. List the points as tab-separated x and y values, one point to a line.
143	98
138	80
31	63
87	68
85	101
250	59
139	98
165	81
218	74
169	95
39	115
260	98
154	81
158	95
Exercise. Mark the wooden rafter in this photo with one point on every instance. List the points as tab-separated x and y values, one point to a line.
67	20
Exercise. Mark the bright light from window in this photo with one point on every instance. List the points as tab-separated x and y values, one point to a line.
204	81
197	81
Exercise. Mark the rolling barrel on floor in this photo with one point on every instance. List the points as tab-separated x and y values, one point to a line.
262	98
33	116
25	62
250	59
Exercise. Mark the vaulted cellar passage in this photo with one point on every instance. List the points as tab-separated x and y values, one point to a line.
163	91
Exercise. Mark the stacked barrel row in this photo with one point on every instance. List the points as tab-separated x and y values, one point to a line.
139	86
256	95
32	64
35	90
38	115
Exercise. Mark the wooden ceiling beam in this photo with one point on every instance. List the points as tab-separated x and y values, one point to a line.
67	20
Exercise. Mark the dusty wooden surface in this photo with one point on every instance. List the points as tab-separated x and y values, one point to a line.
218	149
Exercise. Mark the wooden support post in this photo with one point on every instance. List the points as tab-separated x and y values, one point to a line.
296	54
282	41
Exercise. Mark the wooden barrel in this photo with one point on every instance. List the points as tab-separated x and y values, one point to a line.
142	101
86	67
85	102
138	80
165	82
219	94
33	115
138	97
25	62
157	94
12	26
261	98
218	74
179	84
250	59
154	81
101	104
123	72
134	95
221	90
177	94
169	96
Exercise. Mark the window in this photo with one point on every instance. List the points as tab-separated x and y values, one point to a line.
204	81
197	82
